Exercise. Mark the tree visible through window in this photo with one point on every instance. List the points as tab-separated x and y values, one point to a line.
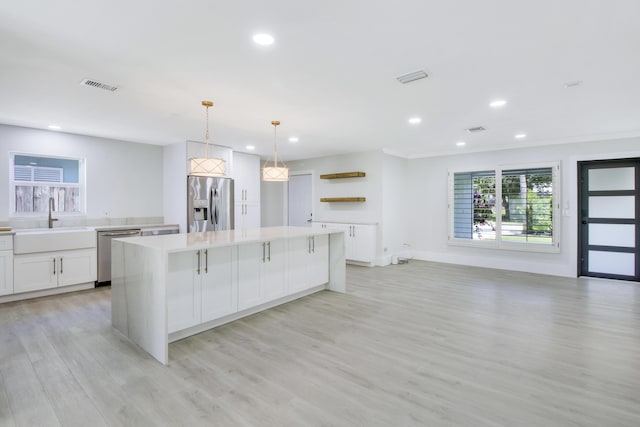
524	212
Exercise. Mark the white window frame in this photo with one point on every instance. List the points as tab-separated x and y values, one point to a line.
498	243
81	185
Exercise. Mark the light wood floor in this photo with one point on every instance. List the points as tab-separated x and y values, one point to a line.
422	344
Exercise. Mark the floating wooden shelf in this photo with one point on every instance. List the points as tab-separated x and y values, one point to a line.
343	199
343	175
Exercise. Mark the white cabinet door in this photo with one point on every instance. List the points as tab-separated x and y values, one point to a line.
246	173
75	267
308	262
32	272
318	272
6	272
246	215
273	274
183	290
299	253
363	243
219	285
250	258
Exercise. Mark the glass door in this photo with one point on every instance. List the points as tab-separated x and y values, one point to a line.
609	233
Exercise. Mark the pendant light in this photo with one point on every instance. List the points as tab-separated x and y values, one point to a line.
206	166
275	172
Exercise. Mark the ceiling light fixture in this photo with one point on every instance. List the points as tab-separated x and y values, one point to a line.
415	120
293	139
250	147
206	166
461	143
263	39
275	173
573	84
520	135
54	127
498	103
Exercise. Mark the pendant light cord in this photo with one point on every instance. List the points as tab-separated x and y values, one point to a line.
206	134
275	146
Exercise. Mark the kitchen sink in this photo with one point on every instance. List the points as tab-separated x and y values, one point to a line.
53	239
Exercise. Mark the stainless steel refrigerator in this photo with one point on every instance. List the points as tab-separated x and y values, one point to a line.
210	203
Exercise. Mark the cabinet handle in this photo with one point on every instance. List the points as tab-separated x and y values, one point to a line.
263	245
206	261
354	231
309	245
61	266
54	266
198	256
313	244
269	255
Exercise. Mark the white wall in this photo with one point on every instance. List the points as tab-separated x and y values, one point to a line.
272	204
123	179
428	215
395	208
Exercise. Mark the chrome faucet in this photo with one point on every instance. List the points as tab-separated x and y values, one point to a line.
51	209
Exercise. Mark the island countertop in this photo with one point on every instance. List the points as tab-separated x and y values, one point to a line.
212	239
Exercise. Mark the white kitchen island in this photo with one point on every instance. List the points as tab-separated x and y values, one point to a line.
165	288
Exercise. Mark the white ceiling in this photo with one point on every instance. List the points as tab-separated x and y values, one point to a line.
329	76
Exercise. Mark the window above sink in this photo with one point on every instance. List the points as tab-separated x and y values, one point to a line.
36	178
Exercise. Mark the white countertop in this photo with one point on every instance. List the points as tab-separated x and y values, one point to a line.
209	239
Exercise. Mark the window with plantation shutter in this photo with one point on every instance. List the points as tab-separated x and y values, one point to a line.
506	208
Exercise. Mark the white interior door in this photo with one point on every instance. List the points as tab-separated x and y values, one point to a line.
610	217
300	203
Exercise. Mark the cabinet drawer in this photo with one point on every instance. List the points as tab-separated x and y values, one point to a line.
6	242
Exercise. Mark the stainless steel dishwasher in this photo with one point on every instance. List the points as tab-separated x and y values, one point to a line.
104	251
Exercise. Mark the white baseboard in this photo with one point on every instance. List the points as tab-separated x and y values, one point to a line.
525	266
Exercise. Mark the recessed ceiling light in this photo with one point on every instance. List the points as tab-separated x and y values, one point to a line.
250	147
461	143
263	39
54	127
498	103
520	135
415	120
293	139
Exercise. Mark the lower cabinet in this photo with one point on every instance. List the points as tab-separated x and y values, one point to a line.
308	262
201	286
261	272
359	240
6	272
32	272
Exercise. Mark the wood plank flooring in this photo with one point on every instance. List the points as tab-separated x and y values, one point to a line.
422	344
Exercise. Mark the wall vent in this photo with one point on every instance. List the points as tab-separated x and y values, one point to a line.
412	77
476	129
99	85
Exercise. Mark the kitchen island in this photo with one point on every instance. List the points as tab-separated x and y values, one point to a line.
165	288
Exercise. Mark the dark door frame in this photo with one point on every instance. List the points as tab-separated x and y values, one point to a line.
584	220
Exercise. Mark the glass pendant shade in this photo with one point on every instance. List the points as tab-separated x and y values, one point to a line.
207	166
274	171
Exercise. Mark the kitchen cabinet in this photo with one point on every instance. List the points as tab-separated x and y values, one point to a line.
201	286
247	215
261	272
6	265
308	262
246	174
46	270
359	240
158	296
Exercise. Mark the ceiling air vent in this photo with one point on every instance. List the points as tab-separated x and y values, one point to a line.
412	77
99	85
476	129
